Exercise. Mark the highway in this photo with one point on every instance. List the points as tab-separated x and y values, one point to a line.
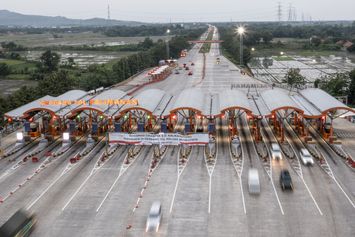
113	199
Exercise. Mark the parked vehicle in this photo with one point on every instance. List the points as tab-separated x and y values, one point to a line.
190	73
154	217
253	181
286	180
306	157
276	151
21	224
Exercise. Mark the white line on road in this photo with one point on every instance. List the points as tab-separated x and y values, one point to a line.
315	202
82	185
176	186
273	186
46	190
241	189
351	202
209	195
336	181
114	183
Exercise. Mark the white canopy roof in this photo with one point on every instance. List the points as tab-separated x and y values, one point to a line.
276	99
191	98
148	100
322	100
233	99
38	105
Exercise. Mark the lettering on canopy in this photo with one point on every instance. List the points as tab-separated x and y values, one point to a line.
90	102
173	139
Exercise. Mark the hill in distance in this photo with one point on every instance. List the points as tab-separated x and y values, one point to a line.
13	19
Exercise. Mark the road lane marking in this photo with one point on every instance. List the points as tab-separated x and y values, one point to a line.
241	189
93	171
112	186
315	202
301	174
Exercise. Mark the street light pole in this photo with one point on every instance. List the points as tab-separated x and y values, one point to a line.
241	32
167	45
241	49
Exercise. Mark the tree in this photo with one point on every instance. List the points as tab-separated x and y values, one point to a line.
267	37
55	84
336	85
146	44
4	69
293	78
315	41
50	61
351	93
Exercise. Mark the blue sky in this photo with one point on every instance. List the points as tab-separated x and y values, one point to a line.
186	10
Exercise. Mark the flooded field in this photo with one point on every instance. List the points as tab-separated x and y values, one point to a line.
9	86
71	39
273	69
81	58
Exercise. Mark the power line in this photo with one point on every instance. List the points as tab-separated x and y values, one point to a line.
108	11
279	12
290	12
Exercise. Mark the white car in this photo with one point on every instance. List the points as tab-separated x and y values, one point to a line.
276	151
154	217
253	181
306	157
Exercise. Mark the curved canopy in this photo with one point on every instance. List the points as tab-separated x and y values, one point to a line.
102	102
234	99
47	103
148	101
323	101
191	99
277	99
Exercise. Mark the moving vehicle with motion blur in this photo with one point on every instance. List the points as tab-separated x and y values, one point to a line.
154	217
286	180
276	151
306	157
253	181
21	224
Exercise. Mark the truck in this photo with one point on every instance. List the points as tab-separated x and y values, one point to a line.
20	224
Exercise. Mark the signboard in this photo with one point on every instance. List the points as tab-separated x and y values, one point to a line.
173	139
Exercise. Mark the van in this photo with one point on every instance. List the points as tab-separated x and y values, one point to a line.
253	181
154	217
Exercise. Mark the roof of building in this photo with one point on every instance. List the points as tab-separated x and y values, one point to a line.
100	102
148	101
191	98
38	104
234	99
323	101
277	99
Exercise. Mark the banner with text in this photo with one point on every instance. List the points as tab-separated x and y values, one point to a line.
173	139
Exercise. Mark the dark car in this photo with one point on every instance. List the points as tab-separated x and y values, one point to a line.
192	64
187	68
286	180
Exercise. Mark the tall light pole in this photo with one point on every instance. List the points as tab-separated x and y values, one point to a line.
167	45
241	31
